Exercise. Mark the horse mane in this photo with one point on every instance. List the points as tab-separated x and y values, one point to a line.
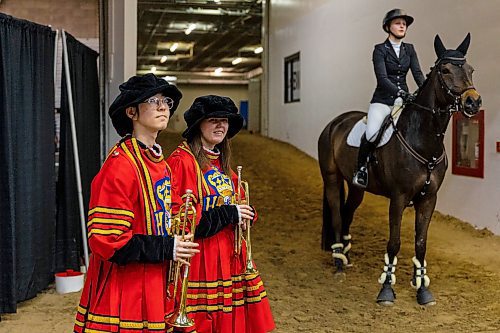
426	81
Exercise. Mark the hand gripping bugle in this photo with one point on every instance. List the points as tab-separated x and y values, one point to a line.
249	267
179	316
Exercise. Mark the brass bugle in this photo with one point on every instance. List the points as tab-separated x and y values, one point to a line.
249	266
179	317
238	232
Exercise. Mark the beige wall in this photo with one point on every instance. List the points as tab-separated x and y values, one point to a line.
190	91
254	104
79	17
335	40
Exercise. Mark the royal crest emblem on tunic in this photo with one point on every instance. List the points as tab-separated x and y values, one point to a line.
162	216
222	186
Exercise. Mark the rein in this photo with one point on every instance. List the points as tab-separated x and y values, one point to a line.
429	164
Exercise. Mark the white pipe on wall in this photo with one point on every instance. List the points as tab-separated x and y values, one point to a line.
75	152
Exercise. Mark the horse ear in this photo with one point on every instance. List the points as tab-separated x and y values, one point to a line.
439	47
465	45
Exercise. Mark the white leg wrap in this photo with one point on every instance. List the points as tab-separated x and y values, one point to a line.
347	248
389	270
420	274
339	255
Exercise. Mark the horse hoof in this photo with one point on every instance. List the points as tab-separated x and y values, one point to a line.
339	276
424	297
386	296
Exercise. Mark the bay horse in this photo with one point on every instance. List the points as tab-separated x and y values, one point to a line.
409	168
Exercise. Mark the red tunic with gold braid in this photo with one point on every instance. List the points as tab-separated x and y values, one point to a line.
221	299
130	200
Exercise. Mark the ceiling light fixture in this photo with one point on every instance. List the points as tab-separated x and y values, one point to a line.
236	61
170	78
218	71
153	69
174	47
163	59
258	50
191	27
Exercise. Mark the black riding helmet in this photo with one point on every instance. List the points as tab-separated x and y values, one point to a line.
394	14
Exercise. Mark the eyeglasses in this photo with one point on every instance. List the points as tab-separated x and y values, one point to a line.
165	100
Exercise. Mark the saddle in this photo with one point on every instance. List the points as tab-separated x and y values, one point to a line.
384	134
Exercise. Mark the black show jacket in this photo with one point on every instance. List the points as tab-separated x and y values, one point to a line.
391	71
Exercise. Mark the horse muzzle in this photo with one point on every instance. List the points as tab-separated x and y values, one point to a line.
471	102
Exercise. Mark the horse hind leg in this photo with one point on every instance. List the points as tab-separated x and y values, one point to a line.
333	201
354	199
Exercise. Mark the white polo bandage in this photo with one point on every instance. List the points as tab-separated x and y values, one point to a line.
339	255
420	274
389	270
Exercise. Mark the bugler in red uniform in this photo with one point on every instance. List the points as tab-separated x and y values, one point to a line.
131	195
129	218
221	299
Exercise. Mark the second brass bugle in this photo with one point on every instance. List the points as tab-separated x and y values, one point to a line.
179	316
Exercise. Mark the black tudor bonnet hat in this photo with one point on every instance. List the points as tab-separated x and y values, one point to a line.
136	90
212	106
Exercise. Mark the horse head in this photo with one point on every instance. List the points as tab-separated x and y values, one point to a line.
455	77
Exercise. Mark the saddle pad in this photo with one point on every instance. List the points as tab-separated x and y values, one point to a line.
354	137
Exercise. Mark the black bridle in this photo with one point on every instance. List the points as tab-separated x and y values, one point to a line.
455	95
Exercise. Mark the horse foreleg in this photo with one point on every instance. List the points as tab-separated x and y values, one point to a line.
423	213
387	279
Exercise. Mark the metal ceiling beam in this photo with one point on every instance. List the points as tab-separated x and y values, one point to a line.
221	40
151	34
202	11
237	24
199	73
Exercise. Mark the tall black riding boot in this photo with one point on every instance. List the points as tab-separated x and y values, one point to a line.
361	176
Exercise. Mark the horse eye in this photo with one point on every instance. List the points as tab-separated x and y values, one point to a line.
446	71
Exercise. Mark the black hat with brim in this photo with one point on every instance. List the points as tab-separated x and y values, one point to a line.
136	90
212	106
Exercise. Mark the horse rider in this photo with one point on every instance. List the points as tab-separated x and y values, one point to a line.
391	61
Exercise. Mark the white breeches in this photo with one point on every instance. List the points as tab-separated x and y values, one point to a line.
376	115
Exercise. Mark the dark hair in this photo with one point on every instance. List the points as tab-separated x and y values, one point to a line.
122	123
224	147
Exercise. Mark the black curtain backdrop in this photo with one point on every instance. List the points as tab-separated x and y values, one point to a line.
27	177
85	89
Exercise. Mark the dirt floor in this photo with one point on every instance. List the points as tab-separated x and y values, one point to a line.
463	263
